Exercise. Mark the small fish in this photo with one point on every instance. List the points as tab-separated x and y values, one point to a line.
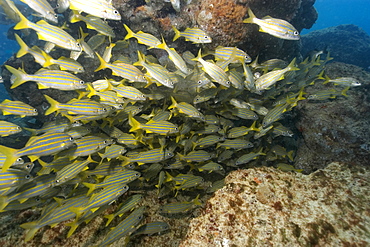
175	57
87	145
142	38
47	144
70	171
49	33
152	228
186	109
233	53
195	35
93	22
327	94
121	177
123	70
235	144
344	81
83	107
99	8
196	156
210	167
17	108
160	127
47	79
274	114
287	168
241	131
43	8
267	80
14	178
248	157
151	156
179	207
126	206
276	27
7	128
214	71
125	227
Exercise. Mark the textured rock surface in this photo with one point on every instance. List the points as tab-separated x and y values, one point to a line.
336	127
267	207
346	43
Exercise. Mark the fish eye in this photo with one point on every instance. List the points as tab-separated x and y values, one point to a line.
296	33
78	44
227	83
34	110
57	181
27	176
115	12
199	82
104	109
37	199
28	166
143	96
71	139
82	82
18	128
176	128
56	16
206	37
137	174
105	142
19	160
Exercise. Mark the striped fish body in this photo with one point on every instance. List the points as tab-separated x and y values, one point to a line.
175	57
43	8
48	79
151	156
13	177
276	27
214	71
160	127
235	54
7	128
246	158
17	108
245	113
99	8
235	144
121	177
125	227
208	141
142	38
47	144
194	35
69	64
186	109
274	114
70	171
50	33
126	206
55	215
88	145
196	156
93	22
152	228
129	92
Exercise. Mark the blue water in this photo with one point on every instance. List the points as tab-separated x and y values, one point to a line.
337	12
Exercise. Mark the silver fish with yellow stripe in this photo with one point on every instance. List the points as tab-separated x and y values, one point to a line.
17	108
99	8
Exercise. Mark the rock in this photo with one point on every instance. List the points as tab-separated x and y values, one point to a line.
336	127
346	43
267	207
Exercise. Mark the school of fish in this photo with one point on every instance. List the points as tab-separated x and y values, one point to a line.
149	125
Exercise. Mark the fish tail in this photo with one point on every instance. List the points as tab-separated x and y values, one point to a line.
344	91
290	155
77	210
91	188
73	228
10	156
20	76
74	17
91	89
48	59
174	103
23	23
163	45
135	125
251	17
125	161
24	48
32	229
103	63
196	200
53	105
291	65
253	127
260	152
199	57
3	202
169	178
110	217
130	33
177	33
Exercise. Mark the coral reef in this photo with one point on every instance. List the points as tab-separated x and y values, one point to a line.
267	207
346	43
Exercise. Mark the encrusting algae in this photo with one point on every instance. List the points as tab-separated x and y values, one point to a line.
168	126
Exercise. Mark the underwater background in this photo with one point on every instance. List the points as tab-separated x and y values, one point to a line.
307	166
